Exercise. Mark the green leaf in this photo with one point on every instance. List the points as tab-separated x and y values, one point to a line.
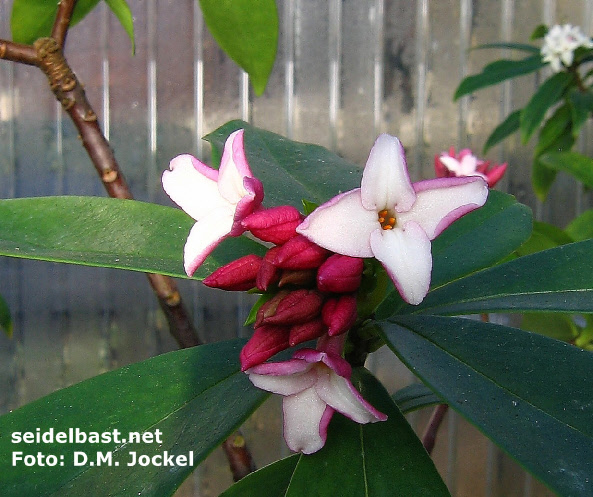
289	170
377	459
544	236
551	324
493	232
33	19
195	397
578	165
122	11
581	103
558	279
581	228
546	95
503	130
498	71
553	129
543	176
5	319
509	45
247	30
539	32
530	394
414	397
107	232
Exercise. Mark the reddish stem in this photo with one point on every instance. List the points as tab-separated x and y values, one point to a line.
430	434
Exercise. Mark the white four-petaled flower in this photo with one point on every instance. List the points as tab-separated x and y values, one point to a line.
393	220
315	384
217	199
560	43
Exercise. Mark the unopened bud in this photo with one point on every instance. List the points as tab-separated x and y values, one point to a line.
340	274
237	275
339	314
268	273
296	307
297	277
300	253
265	342
304	332
276	225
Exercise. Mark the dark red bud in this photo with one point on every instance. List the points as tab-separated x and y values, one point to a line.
304	332
265	342
297	307
297	277
276	225
340	274
268	273
300	253
237	275
269	308
339	314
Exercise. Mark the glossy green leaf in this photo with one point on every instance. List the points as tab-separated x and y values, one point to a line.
106	232
546	95
291	171
544	236
122	11
502	219
503	130
374	460
551	324
414	397
247	30
581	103
530	394
195	397
558	279
558	124
578	165
33	19
498	71
581	228
5	318
543	176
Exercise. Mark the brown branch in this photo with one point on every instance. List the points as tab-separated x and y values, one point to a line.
430	434
238	455
62	21
70	93
17	52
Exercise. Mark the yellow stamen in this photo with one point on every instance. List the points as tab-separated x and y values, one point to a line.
387	219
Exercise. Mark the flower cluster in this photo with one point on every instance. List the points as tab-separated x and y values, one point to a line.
312	271
560	44
465	163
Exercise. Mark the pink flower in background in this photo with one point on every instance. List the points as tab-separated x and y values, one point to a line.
464	163
393	220
217	199
315	384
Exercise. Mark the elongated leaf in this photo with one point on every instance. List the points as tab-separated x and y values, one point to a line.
529	393
291	171
581	228
509	45
414	397
122	11
547	95
578	165
543	176
558	124
106	232
504	129
544	236
582	106
551	324
194	397
467	245
247	30
558	279
33	19
5	319
378	459
498	71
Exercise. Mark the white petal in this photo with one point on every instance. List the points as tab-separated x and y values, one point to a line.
441	201
385	181
205	235
192	186
340	394
233	168
286	384
342	225
405	254
303	414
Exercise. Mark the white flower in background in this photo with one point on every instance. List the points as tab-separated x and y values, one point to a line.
560	44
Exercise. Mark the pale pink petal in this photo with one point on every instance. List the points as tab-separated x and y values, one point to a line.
342	225
335	362
451	163
233	168
337	392
305	421
385	181
441	201
192	186
254	194
290	384
204	236
405	254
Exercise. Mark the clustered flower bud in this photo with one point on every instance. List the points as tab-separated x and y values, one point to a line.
313	290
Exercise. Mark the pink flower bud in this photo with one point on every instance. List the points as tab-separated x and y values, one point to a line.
265	342
268	273
339	314
269	308
296	307
276	225
300	253
304	332
237	275
340	274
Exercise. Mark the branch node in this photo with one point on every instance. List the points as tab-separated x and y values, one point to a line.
109	176
2	50
52	62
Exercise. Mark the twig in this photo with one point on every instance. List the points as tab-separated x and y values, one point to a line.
17	52
238	455
430	434
62	21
